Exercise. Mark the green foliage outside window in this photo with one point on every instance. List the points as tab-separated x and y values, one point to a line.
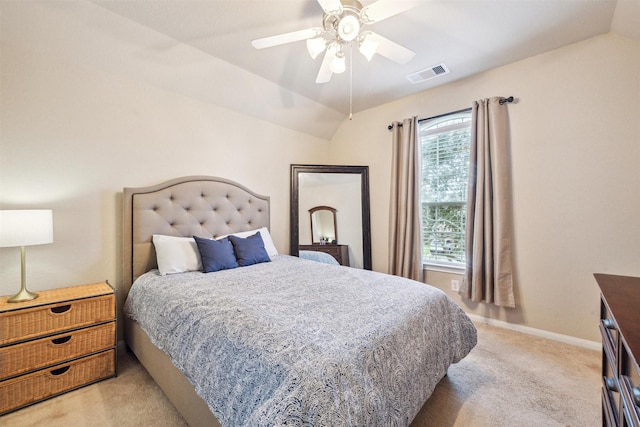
445	144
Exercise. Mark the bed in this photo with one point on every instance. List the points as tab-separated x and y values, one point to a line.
318	257
283	341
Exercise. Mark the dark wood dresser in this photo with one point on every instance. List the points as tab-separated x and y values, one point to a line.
620	330
339	252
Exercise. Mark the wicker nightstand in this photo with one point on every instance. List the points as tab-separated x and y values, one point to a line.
63	340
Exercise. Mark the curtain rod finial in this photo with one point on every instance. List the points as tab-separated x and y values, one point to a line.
504	100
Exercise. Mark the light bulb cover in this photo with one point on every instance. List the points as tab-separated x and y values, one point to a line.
349	28
338	64
367	46
316	46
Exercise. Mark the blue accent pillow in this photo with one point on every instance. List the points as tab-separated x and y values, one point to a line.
216	255
250	250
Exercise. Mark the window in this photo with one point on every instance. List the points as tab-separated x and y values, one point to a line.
445	145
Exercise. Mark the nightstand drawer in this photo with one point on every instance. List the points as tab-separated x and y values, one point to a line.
20	358
21	325
40	385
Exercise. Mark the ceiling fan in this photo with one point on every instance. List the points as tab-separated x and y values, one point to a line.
342	24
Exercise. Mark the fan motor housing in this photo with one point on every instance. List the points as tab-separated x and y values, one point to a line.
331	21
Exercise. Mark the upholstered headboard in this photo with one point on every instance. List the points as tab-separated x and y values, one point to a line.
203	206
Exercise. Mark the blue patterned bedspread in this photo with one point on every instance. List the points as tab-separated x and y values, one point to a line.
296	342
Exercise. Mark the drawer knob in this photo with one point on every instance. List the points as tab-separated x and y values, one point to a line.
608	323
61	340
636	395
60	371
611	384
61	309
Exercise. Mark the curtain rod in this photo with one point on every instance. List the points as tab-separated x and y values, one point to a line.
501	102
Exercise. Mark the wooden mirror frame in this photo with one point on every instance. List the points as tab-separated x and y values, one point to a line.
294	221
335	222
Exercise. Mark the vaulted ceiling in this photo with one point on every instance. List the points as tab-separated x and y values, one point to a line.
467	36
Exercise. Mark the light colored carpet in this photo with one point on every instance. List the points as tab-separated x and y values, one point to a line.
514	379
509	379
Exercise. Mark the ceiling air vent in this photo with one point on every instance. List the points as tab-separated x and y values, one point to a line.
429	73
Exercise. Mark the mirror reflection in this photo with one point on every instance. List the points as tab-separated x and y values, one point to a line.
328	199
324	229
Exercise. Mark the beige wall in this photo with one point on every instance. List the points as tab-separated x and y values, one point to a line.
575	136
73	133
86	110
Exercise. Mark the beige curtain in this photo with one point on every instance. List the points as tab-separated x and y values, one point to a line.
405	232
489	273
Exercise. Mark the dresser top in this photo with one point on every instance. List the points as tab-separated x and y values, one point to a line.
622	296
58	295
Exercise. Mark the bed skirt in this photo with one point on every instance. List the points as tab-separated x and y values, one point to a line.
173	383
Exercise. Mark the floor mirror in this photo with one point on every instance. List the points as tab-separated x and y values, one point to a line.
330	212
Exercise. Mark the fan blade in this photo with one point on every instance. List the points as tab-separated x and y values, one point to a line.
286	38
391	50
383	9
325	73
331	5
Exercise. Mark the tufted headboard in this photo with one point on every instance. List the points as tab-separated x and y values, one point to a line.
203	206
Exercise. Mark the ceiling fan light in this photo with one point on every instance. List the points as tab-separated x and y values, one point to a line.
348	28
338	65
316	46
368	47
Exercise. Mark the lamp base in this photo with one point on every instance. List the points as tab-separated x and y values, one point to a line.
23	295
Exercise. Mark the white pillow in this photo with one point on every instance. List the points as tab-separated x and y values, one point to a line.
176	254
266	239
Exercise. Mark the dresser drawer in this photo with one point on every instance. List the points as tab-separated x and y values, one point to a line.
34	387
610	392
32	355
630	385
610	333
21	325
609	414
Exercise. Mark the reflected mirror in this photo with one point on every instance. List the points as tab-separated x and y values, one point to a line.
342	191
324	229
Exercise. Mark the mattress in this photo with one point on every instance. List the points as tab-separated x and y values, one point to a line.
297	342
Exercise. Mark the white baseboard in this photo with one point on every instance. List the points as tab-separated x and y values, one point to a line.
591	345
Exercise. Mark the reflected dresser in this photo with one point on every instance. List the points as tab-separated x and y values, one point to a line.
620	330
60	341
339	252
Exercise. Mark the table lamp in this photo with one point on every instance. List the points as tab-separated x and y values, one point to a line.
25	228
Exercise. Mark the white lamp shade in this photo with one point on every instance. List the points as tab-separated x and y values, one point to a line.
26	227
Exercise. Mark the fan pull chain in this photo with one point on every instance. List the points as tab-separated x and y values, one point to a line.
350	81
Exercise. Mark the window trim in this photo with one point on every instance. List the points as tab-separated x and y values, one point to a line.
456	268
464	110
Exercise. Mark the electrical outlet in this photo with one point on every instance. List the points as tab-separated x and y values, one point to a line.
455	285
